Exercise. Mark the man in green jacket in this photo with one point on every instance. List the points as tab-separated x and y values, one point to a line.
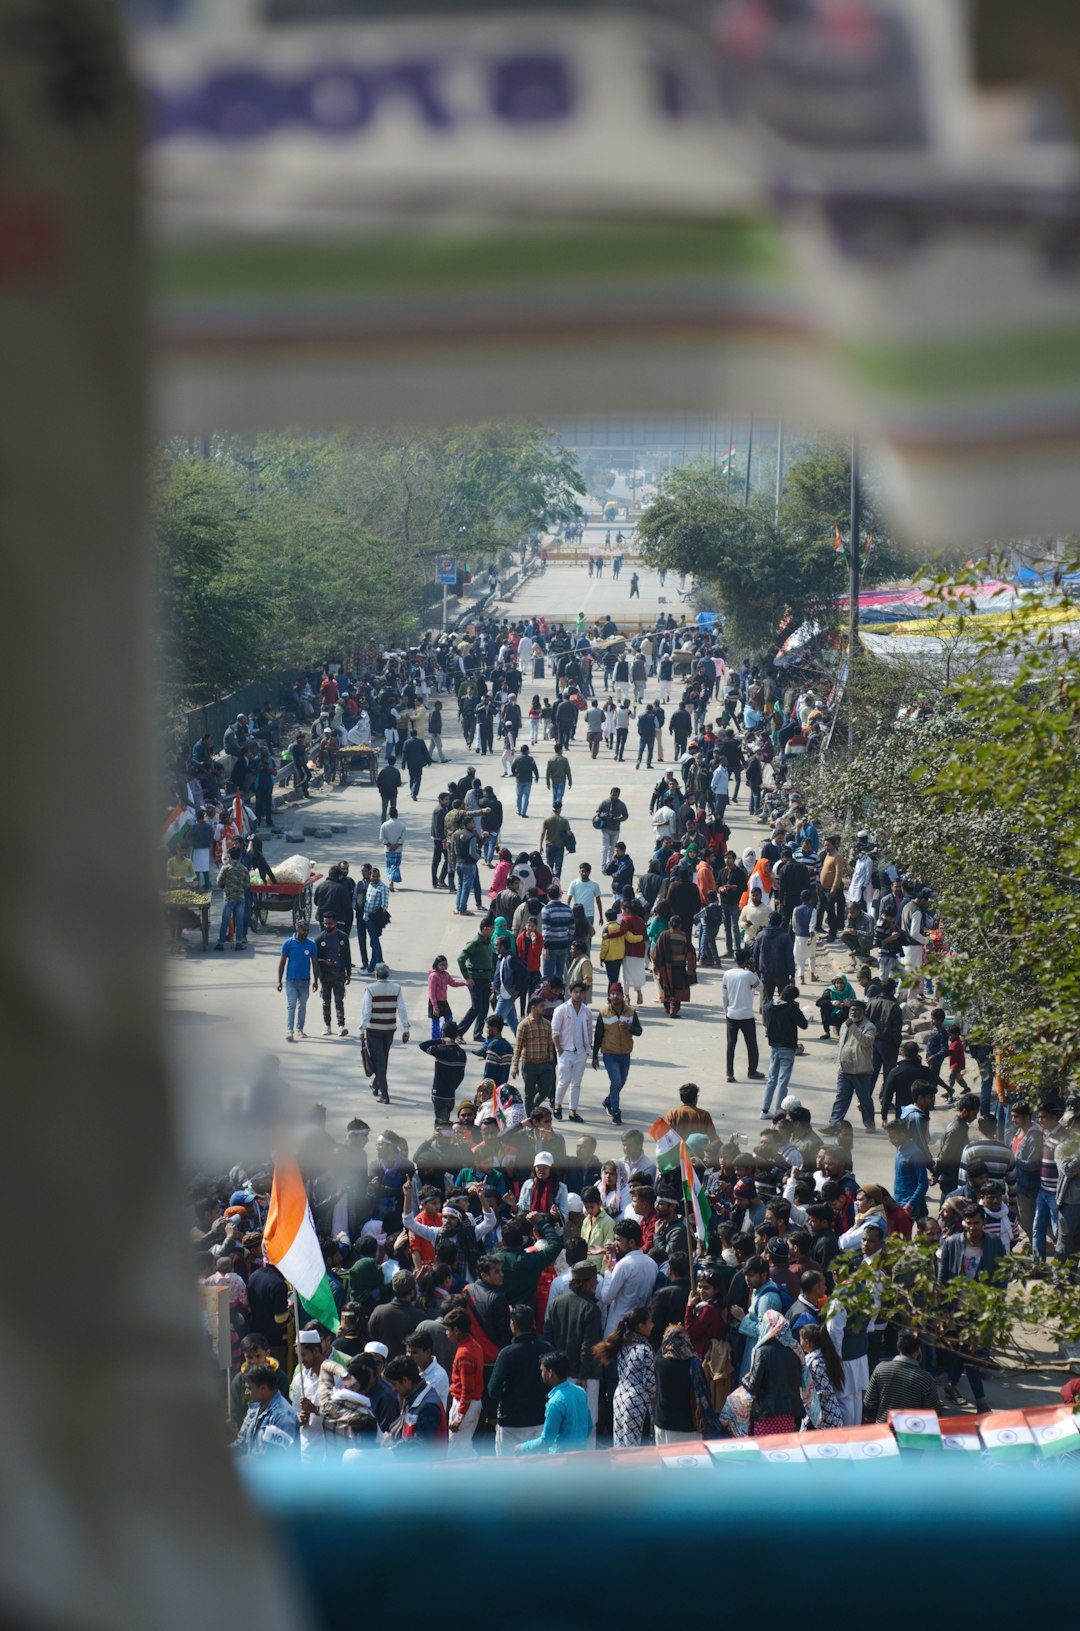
477	965
525	771
559	776
522	1269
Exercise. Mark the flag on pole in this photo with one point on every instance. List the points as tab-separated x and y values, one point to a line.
839	547
292	1245
867	548
727	462
668	1144
698	1210
178	819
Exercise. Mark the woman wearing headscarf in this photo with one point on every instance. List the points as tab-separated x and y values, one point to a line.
779	1392
683	1407
671	965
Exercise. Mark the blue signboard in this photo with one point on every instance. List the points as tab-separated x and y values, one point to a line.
445	569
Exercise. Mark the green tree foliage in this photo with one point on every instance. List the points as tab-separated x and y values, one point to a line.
282	552
768	573
209	639
967	768
1026	1300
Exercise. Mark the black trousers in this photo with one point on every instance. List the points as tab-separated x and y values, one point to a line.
479	1008
730	908
830	904
336	987
620	744
361	940
379	1044
438	863
748	1030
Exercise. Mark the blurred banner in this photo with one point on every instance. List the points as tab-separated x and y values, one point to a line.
375	213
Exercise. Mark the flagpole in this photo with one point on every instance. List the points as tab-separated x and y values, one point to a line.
854	575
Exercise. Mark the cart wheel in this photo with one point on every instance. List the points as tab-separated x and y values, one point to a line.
260	914
303	905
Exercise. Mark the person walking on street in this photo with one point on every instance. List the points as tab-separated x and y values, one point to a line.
299	968
534	1055
439	864
617	1024
415	756
646	728
388	782
558	777
392	837
477	965
234	879
783	1022
610	813
383	1008
740	985
555	834
435	730
635	587
571	1032
376	916
466	864
525	771
359	898
334	958
557	929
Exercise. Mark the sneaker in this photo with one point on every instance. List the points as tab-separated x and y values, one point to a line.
605	1104
731	1078
344	1031
616	1118
573	1116
766	1115
327	1031
289	1036
302	1034
755	1075
950	1392
556	1113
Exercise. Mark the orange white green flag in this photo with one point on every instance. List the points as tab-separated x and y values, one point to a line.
291	1244
668	1145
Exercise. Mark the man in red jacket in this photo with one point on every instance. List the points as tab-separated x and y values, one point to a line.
466	1383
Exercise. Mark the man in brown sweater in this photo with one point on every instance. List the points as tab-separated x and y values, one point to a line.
686	1119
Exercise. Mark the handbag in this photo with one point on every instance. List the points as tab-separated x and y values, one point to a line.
366	1062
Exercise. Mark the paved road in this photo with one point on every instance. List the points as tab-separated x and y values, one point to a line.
225	1012
564	590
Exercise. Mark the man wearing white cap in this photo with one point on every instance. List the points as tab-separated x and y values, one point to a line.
313	1345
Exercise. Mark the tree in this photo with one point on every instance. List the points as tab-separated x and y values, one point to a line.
209	633
764	581
972	782
900	1287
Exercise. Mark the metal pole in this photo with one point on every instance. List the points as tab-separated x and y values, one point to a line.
749	458
444	608
779	466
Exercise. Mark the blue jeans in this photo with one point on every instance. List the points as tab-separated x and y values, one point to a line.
491	844
1046	1222
466	877
553	962
558	789
911	1184
781	1062
851	1084
374	946
296	996
506	1009
234	910
617	1066
523	793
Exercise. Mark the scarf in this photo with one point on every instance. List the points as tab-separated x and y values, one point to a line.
773	1327
677	1345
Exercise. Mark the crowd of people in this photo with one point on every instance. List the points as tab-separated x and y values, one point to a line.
496	1285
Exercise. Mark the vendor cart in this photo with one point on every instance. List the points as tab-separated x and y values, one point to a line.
186	909
363	762
294	898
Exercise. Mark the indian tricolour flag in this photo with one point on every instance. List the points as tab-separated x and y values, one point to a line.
292	1245
1006	1436
695	1200
178	819
1056	1431
916	1429
668	1145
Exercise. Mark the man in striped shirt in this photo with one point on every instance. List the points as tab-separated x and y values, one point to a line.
383	1007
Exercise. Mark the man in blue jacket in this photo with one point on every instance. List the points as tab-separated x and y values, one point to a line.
567	1418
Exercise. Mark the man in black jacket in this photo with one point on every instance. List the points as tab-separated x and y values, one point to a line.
439	872
515	1387
574	1325
388	781
333	959
900	1081
783	1022
415	756
886	1016
488	1302
668	1305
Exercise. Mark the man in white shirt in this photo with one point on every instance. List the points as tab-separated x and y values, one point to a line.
719	787
740	985
585	892
421	1351
663	822
631	1281
635	1163
571	1032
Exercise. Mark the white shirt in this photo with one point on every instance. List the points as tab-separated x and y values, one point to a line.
365	1006
663	822
437	1378
572	1028
720	781
739	986
392	832
629	1285
584	892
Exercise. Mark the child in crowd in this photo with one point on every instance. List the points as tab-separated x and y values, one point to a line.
496	1052
957	1061
438	1008
937	1047
612	946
